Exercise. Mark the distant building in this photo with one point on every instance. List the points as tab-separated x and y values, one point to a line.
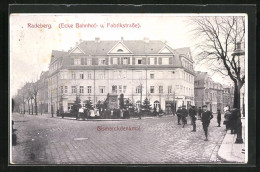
211	93
228	96
43	93
138	69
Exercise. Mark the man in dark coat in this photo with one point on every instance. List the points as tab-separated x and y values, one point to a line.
205	119
184	114
199	113
179	115
219	117
193	117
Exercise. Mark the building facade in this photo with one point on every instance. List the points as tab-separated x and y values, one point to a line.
43	93
138	69
211	93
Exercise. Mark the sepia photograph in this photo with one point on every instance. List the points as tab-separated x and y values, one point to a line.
110	88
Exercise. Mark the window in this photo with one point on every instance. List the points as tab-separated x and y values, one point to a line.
160	89
89	75
101	75
165	61
73	89
89	61
77	61
125	60
81	75
151	61
151	89
120	89
152	76
138	104
101	89
73	75
61	89
102	61
138	89
124	89
139	61
115	61
114	89
89	89
66	89
120	50
81	89
169	89
156	104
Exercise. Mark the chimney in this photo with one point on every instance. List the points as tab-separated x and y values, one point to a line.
146	40
122	39
80	40
97	39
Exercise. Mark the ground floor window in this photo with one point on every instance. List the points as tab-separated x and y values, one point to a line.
156	104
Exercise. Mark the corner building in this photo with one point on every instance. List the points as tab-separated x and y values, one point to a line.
136	68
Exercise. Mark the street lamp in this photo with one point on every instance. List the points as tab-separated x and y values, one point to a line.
238	52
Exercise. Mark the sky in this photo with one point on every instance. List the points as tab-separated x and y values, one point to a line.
30	48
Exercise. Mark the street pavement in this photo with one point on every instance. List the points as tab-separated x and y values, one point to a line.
46	140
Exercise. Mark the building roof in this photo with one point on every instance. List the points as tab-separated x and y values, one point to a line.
184	51
135	46
200	76
56	54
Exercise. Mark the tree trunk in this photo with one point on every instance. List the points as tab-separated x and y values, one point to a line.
238	86
23	107
36	109
28	106
32	106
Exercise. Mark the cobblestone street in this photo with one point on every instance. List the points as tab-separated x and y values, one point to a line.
46	140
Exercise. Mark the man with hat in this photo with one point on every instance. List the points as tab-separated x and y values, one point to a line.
193	117
184	114
205	119
179	115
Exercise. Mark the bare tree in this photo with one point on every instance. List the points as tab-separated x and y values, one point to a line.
218	37
28	94
35	90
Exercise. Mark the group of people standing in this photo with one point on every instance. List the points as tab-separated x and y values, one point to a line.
203	114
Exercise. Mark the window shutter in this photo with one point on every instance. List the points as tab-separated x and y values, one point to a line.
148	60
143	60
155	60
160	60
170	60
118	60
86	61
128	60
133	60
106	60
82	61
122	60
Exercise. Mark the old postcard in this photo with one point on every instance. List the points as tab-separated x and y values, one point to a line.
128	88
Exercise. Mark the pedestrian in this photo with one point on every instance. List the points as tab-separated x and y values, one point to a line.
199	113
227	117
179	115
205	119
193	117
190	109
184	114
219	117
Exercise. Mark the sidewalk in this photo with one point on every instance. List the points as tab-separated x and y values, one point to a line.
229	151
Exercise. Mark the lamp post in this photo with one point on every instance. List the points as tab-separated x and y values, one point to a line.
238	52
243	104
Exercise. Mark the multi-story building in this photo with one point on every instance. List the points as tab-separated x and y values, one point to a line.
228	96
43	93
138	69
211	93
